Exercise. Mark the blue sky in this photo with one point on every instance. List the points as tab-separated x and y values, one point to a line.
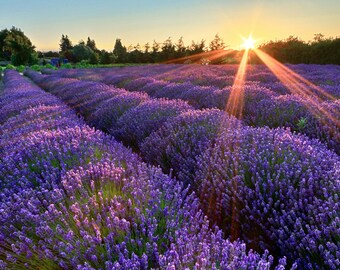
44	21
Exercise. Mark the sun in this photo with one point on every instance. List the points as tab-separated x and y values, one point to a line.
248	43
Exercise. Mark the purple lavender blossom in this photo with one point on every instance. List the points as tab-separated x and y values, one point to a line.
176	145
138	123
273	189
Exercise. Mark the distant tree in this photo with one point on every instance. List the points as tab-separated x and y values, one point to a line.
155	47
136	55
318	37
217	43
51	54
5	54
17	47
130	48
66	47
91	44
120	51
325	51
65	44
82	52
180	48
146	47
291	50
196	48
168	50
94	58
147	58
155	52
105	57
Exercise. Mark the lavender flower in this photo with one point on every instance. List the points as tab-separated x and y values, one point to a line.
273	189
138	123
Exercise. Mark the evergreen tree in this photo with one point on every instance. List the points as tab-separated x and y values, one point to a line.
120	51
180	48
168	50
217	44
65	44
197	48
91	44
146	47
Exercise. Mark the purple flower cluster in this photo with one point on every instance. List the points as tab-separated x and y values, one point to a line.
316	120
138	123
99	103
275	190
73	198
261	92
177	145
272	188
107	114
14	99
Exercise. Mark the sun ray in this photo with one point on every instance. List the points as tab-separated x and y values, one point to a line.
299	85
211	56
235	102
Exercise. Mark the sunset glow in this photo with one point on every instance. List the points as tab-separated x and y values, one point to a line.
169	134
248	43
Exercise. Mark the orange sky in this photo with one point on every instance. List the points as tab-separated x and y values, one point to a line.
137	21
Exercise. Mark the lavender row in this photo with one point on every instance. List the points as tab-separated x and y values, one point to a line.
72	197
292	179
326	77
261	107
274	190
132	117
271	188
103	107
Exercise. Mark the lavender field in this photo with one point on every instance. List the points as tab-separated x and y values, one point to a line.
171	167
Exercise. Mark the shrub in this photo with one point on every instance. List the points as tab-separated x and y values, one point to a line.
67	66
9	66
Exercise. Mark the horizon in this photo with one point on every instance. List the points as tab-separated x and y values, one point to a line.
139	22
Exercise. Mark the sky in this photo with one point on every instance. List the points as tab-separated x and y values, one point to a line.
133	21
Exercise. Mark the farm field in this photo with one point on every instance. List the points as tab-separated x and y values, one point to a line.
171	167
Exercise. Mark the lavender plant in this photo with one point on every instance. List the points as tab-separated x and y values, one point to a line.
138	123
176	145
275	190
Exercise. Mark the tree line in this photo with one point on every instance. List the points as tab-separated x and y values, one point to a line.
155	53
320	50
16	47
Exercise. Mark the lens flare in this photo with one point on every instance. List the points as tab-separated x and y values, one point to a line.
296	84
248	43
235	102
196	58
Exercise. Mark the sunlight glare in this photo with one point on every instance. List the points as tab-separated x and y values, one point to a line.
248	43
296	84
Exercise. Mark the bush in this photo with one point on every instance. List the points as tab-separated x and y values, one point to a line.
9	66
67	65
21	68
49	66
36	67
